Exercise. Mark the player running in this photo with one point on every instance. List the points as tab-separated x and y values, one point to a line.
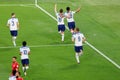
78	38
60	20
24	52
15	66
70	18
13	25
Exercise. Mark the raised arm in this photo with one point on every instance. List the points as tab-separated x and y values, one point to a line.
77	10
55	8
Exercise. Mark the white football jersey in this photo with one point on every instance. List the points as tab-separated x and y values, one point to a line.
78	39
24	52
12	78
60	19
13	23
71	16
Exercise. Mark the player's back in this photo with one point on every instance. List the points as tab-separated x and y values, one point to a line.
70	15
60	19
13	23
78	39
24	52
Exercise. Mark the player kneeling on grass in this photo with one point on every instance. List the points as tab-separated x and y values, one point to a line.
78	38
24	52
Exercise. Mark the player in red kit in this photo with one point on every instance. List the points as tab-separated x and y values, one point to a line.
18	77
15	66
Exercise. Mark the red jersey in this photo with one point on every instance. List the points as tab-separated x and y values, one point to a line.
20	78
15	66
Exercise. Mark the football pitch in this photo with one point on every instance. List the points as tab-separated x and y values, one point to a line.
51	59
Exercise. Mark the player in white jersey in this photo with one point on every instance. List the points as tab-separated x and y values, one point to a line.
70	18
24	52
12	78
60	20
78	38
13	25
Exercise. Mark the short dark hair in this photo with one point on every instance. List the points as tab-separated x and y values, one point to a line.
12	14
61	11
14	57
77	29
24	43
67	8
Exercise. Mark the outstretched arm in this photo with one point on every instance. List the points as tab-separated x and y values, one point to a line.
55	8
83	39
77	10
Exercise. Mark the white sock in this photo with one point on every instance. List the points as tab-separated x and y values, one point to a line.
62	37
23	68
14	39
27	67
77	58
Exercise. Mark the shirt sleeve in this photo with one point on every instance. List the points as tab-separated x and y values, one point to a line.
73	12
28	49
82	35
20	50
56	14
8	22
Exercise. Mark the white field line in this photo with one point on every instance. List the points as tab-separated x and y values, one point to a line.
102	54
37	46
17	4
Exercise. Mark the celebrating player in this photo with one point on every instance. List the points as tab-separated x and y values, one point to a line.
24	52
60	20
13	25
78	38
15	66
70	18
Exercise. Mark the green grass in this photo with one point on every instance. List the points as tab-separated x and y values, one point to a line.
99	20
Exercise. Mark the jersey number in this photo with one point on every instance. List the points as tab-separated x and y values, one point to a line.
13	23
59	19
71	15
25	52
79	39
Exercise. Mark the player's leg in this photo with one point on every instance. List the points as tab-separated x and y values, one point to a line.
27	64
70	25
81	50
23	65
77	57
59	31
14	36
62	32
77	54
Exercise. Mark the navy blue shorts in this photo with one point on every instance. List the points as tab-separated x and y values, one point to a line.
25	62
71	25
61	28
14	33
78	48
